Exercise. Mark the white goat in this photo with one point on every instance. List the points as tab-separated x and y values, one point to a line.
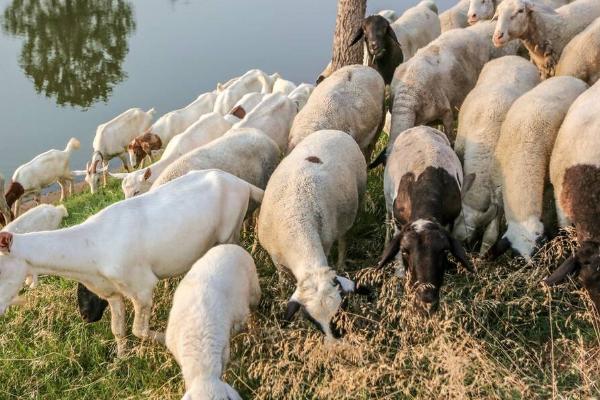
283	86
45	169
112	139
350	100
544	31
153	236
301	94
417	27
44	217
244	106
208	128
455	17
210	304
480	119
254	80
520	167
310	202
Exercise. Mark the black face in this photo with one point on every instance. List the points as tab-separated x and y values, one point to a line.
375	29
424	253
91	307
588	259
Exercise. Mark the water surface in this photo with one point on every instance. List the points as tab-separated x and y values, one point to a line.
67	66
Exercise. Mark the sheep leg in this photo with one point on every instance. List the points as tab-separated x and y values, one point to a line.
125	162
342	247
117	323
63	188
563	220
142	305
105	173
490	235
388	228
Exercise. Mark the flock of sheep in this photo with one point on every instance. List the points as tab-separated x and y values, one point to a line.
523	161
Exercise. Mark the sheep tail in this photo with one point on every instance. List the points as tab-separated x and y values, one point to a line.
403	112
73	144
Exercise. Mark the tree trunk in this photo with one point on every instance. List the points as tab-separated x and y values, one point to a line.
350	14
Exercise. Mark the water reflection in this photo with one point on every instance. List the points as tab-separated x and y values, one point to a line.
73	50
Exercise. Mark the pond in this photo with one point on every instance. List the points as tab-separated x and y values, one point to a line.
67	66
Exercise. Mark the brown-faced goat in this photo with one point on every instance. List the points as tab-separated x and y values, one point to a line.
422	186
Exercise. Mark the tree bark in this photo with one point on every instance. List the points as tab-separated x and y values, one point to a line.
350	14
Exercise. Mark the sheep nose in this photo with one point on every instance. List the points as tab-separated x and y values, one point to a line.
472	18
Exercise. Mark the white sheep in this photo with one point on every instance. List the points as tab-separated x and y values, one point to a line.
390	15
575	175
44	217
283	86
520	167
252	81
350	100
111	140
246	153
544	31
433	84
211	303
480	10
310	202
301	94
581	56
44	170
480	119
273	116
417	27
455	17
208	128
125	249
166	127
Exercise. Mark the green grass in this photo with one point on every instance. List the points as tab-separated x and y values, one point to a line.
492	337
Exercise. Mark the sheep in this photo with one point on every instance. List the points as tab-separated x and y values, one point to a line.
581	56
211	303
45	169
153	236
166	127
5	213
252	81
422	187
301	94
310	202
350	100
432	84
44	217
111	140
246	104
519	170
390	15
480	10
273	116
574	173
208	128
283	86
544	32
455	17
480	119
246	153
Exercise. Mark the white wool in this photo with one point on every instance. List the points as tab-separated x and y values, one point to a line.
44	217
301	94
350	100
480	119
581	56
416	27
211	303
480	10
254	80
455	17
283	86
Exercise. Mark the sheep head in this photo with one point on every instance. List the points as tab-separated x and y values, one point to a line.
480	10
424	245
513	18
377	32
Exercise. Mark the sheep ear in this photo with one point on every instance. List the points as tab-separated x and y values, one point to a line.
569	266
147	174
391	250
357	36
6	239
393	36
459	252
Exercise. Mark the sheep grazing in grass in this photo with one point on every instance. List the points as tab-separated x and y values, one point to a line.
479	122
387	44
455	17
166	127
311	202
350	100
520	166
422	186
575	175
111	140
481	10
211	303
544	31
208	128
44	170
252	81
581	56
191	215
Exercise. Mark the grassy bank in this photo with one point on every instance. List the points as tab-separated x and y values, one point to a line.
498	334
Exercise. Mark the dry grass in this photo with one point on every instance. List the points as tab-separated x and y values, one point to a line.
497	334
